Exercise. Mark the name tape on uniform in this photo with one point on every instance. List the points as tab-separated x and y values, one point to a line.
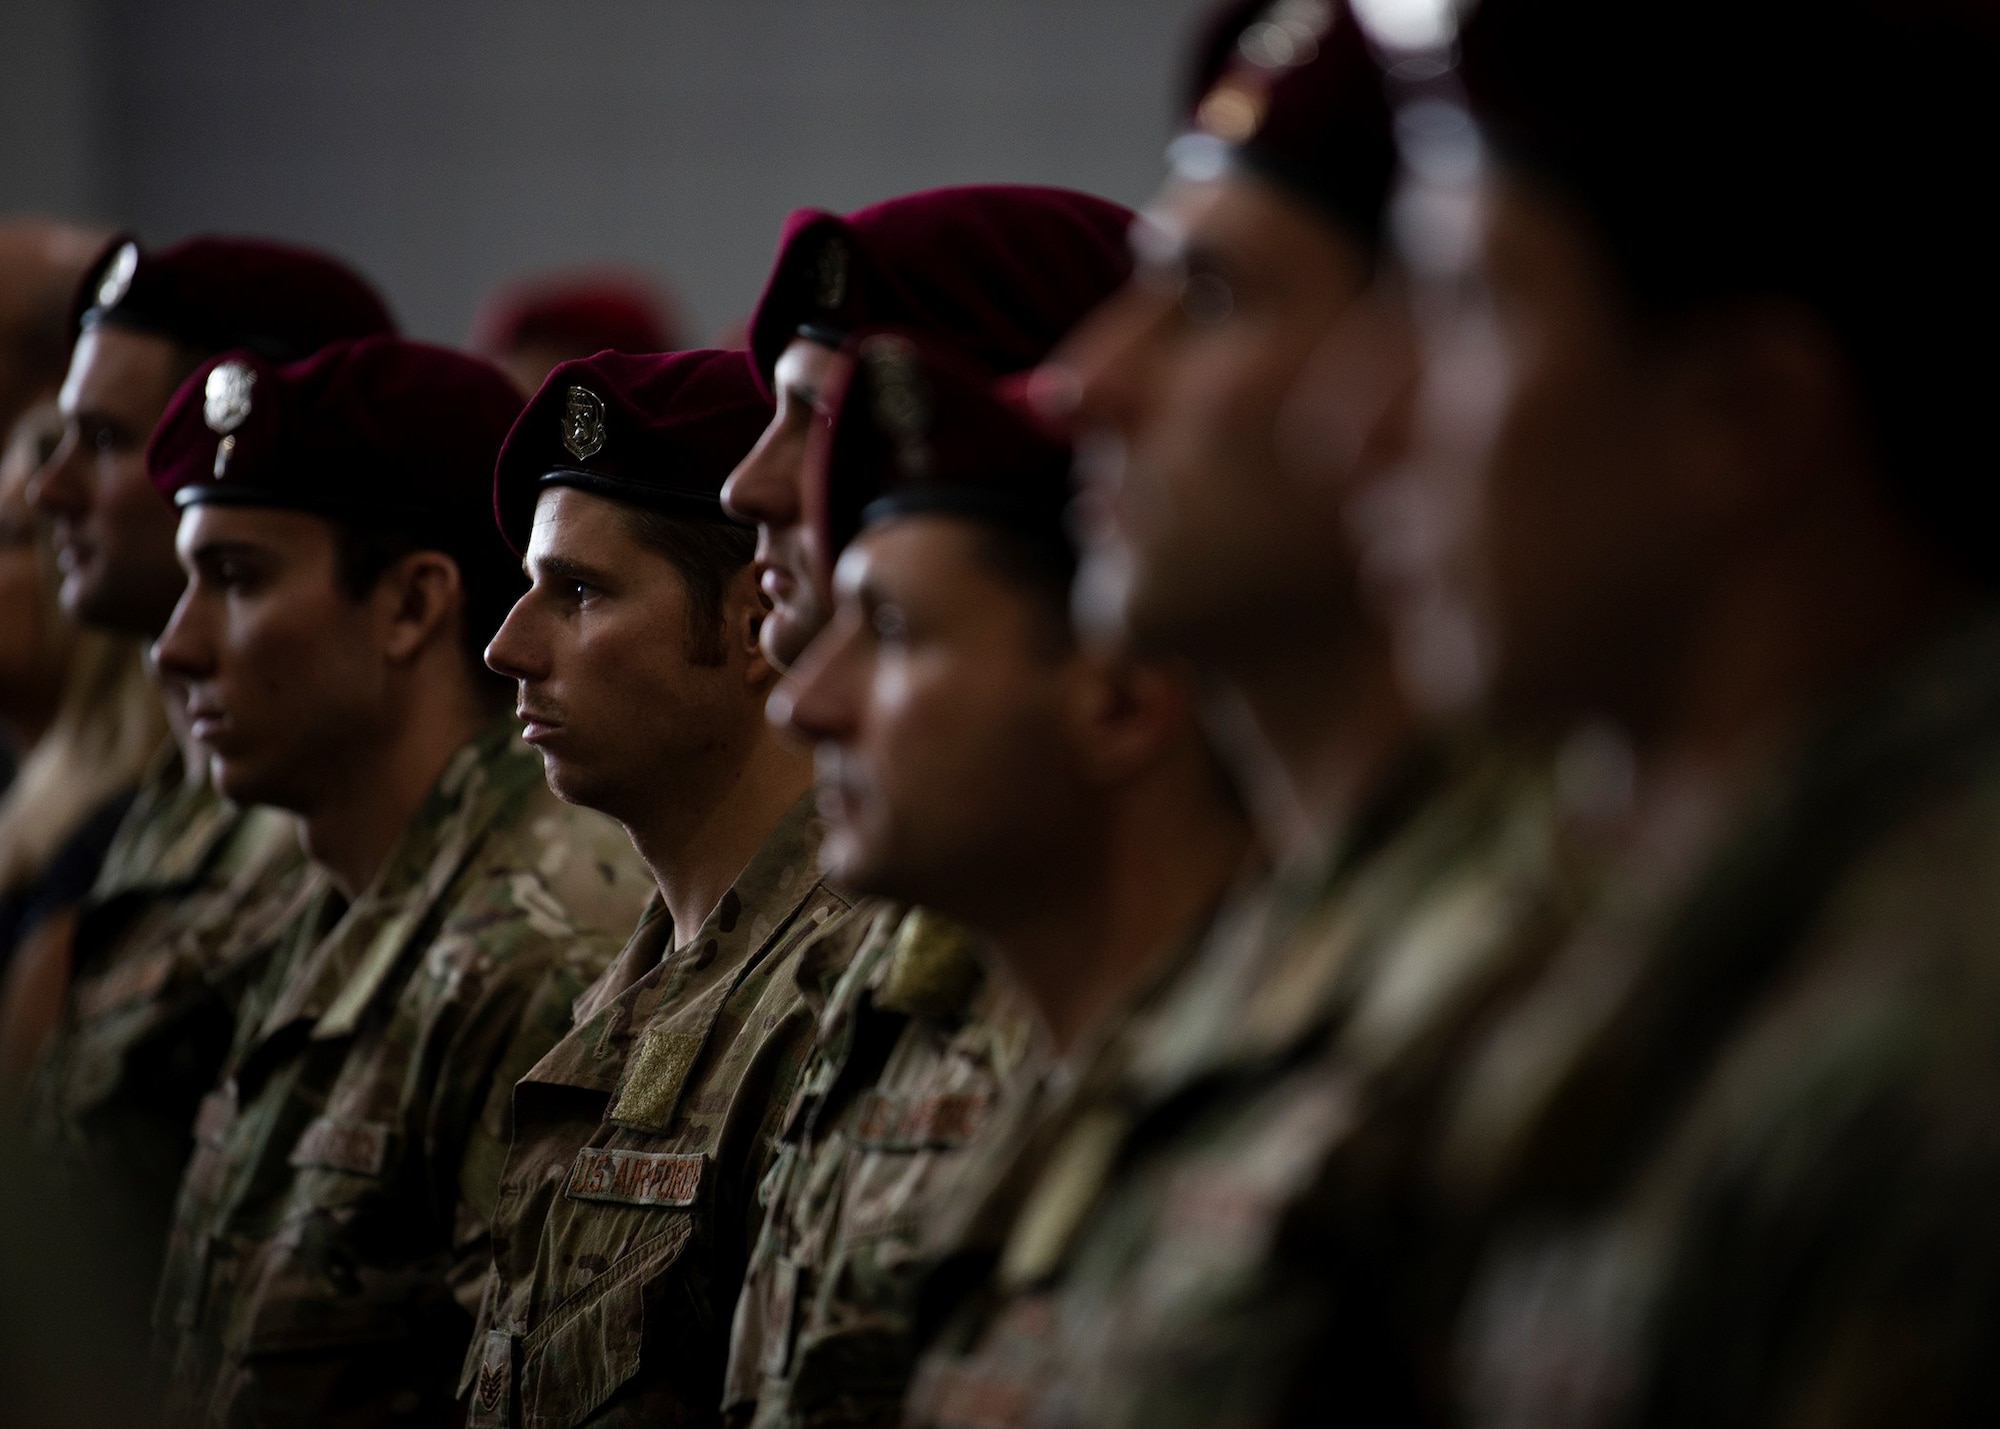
636	1178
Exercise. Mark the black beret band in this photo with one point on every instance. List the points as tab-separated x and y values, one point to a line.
992	505
694	505
370	513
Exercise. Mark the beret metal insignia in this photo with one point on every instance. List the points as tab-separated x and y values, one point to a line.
830	275
902	401
583	423
1288	35
118	277
225	400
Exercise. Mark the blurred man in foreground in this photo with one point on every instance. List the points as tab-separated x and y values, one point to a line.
343	577
1161	1265
976	758
194	892
629	1197
1704	450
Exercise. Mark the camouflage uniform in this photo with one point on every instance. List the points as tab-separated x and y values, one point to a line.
1158	1264
916	1049
627	1206
335	1211
1739	1144
193	896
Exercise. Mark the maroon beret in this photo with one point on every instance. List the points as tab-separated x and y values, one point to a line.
1001	271
576	312
220	294
1292	91
662	431
380	432
917	428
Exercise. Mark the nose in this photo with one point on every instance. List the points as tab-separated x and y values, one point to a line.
185	652
764	488
513	652
1095	374
58	487
818	699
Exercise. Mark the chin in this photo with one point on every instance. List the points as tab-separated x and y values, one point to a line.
575	786
786	632
242	783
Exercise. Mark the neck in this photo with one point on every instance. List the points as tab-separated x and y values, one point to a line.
1813	615
720	812
1309	734
352	831
1101	928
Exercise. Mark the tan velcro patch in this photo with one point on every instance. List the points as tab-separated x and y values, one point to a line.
656	1077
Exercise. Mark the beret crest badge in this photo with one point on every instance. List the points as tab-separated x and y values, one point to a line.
583	423
902	401
225	399
117	280
1287	36
830	267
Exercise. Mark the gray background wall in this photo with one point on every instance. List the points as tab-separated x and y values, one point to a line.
445	144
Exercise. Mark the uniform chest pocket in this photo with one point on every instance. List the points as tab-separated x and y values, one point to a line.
592	1342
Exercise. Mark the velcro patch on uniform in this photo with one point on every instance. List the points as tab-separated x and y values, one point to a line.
359	1147
138	981
636	1178
653	1082
940	1121
493	1385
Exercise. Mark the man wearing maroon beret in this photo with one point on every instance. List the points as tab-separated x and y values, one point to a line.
976	758
1001	272
343	578
194	890
1160	1271
630	1195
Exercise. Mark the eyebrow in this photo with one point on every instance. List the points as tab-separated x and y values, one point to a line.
568	568
223	548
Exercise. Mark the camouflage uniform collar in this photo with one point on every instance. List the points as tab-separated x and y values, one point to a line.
771	885
486	777
658	974
169	834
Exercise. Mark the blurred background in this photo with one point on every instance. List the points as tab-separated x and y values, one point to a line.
448	145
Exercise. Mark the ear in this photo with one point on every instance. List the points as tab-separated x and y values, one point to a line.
1768	398
744	606
1127	714
419	599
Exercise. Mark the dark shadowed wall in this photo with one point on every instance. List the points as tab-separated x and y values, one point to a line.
444	144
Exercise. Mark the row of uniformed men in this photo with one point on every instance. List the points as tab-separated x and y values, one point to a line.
1192	997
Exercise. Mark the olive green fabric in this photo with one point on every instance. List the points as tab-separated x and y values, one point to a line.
627	1205
193	897
332	1220
916	1051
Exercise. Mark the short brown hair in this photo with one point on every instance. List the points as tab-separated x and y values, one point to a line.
708	555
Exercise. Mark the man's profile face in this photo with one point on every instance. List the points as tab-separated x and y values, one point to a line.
1532	549
114	532
599	650
936	701
768	488
1201	543
284	673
